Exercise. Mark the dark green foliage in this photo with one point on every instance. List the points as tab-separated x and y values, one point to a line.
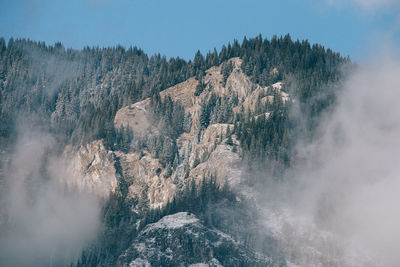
196	161
218	207
199	88
77	93
226	70
199	65
204	118
120	228
198	199
229	140
120	139
264	139
309	73
312	68
173	122
171	114
216	110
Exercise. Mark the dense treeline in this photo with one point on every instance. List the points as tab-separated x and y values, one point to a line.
269	135
207	200
77	92
310	71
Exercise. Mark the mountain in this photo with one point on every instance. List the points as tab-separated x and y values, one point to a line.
181	239
199	151
176	151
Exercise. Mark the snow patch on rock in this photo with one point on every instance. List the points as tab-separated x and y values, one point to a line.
139	263
212	263
174	221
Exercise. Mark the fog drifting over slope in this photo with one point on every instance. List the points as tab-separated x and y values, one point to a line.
42	222
350	174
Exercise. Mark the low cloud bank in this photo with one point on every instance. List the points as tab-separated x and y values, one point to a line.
41	221
350	175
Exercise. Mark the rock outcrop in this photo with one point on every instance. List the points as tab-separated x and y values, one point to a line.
182	240
146	178
237	85
91	168
202	152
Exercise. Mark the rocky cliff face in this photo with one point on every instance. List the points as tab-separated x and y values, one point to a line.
202	153
160	147
182	240
91	168
146	178
237	85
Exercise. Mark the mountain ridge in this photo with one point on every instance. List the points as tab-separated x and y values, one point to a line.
153	138
203	144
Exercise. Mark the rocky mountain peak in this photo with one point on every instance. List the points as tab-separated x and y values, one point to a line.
163	242
201	152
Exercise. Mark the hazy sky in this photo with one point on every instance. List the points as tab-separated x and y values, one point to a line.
180	27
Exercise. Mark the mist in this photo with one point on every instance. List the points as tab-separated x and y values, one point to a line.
42	222
345	182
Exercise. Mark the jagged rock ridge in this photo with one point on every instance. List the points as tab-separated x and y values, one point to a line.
143	172
182	240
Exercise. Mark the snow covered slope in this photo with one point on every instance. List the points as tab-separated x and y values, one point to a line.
182	240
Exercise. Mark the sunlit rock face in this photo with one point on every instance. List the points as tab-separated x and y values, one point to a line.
146	179
237	85
202	152
91	168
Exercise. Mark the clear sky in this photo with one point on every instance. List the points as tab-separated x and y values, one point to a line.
180	27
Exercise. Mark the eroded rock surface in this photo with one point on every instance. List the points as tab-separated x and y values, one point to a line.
91	168
201	152
182	240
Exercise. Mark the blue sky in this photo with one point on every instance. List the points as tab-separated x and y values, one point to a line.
180	27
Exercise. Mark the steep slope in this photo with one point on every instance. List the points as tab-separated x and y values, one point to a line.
237	86
205	150
182	240
201	152
146	134
91	168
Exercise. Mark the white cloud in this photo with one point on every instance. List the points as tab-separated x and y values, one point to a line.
41	221
369	4
375	3
352	171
